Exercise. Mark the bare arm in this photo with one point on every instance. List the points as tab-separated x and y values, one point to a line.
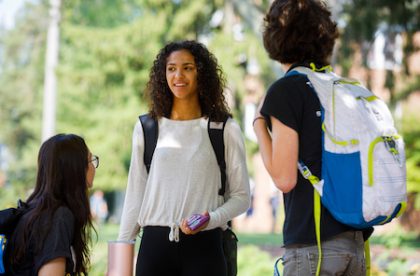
53	268
279	152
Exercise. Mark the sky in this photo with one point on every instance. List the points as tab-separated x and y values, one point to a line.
8	9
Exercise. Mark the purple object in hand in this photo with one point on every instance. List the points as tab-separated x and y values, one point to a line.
196	221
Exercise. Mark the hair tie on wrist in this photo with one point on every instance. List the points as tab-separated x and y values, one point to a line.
257	118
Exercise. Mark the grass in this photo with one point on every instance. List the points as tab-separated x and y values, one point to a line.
397	238
253	261
260	239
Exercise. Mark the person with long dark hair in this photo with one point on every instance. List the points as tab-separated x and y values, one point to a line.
186	91
53	237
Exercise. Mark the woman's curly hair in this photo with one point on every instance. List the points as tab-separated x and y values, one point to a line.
211	82
299	31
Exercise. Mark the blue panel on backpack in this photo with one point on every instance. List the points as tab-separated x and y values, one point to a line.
379	219
2	248
392	216
396	210
342	176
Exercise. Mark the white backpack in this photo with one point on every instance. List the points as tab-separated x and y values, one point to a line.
363	178
363	159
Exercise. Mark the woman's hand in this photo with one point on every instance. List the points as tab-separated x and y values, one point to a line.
187	231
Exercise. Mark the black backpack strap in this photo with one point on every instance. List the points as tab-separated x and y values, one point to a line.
9	218
150	133
215	130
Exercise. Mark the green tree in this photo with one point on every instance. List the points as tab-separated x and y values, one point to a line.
363	19
104	71
106	50
21	76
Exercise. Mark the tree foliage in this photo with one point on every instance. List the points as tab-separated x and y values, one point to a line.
21	75
106	51
363	18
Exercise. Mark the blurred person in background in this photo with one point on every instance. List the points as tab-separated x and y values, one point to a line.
99	207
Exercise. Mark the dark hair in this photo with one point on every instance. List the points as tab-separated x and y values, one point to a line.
299	31
210	82
61	181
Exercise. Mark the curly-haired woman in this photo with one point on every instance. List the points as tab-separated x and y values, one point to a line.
52	238
186	90
301	33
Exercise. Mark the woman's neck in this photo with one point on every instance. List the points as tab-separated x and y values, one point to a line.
286	66
185	111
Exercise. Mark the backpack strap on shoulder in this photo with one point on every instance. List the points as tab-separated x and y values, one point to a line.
215	130
318	185
327	68
150	133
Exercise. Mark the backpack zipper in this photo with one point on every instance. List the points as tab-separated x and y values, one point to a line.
390	144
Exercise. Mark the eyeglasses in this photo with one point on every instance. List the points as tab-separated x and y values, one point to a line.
95	161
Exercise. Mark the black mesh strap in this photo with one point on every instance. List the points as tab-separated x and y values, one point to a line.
215	130
150	133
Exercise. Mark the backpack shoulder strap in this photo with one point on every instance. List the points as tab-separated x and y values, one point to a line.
215	130
150	133
9	218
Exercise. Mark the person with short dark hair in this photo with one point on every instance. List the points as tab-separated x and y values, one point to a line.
53	237
299	31
288	129
185	88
